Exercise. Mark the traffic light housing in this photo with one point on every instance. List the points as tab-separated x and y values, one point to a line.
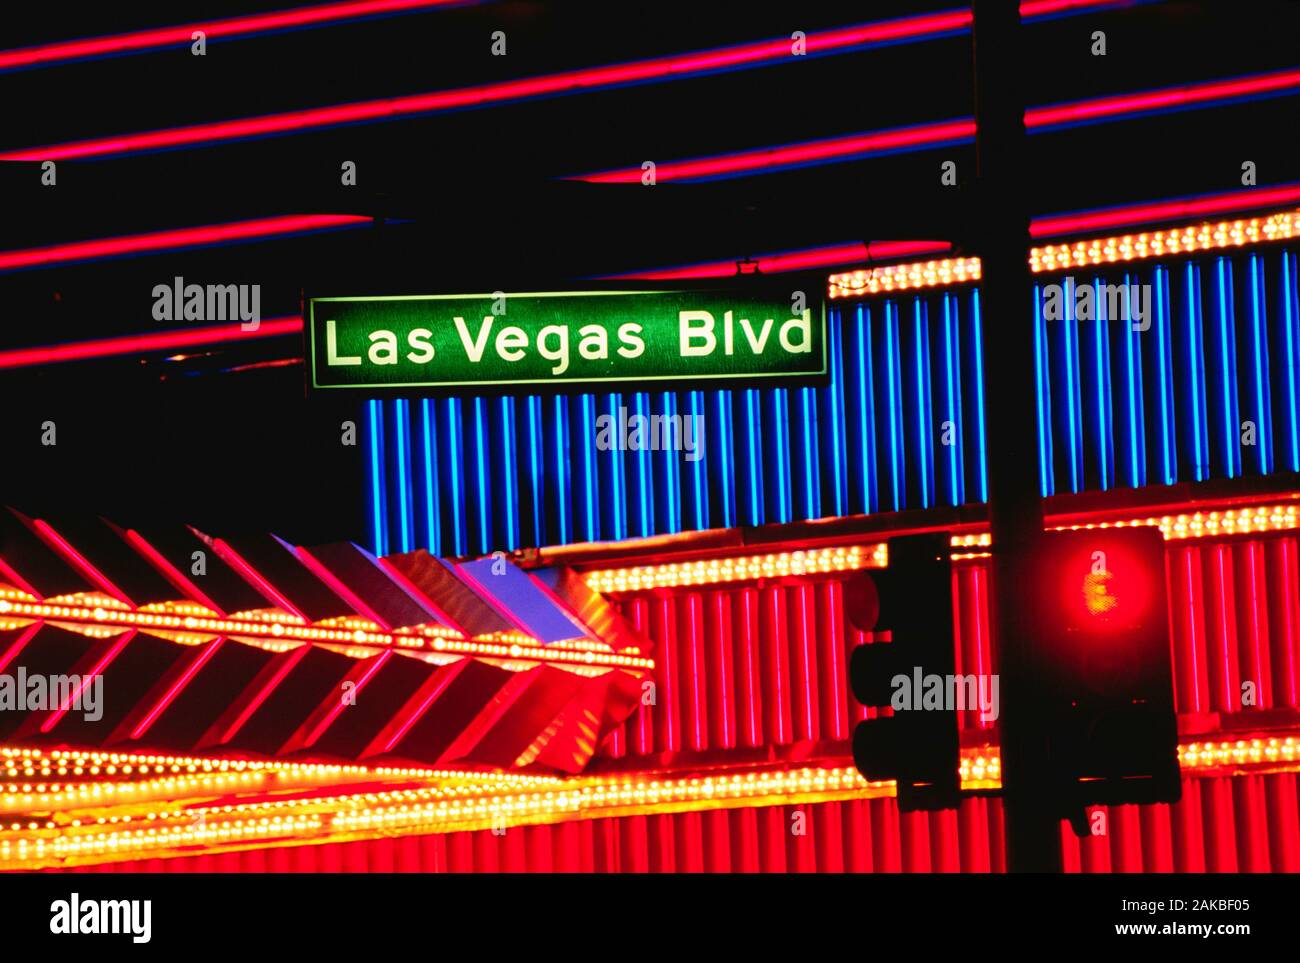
917	746
1100	664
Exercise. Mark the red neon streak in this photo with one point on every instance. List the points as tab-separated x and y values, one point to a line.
233	27
146	343
1043	8
761	158
444	677
64	548
173	574
86	678
595	78
237	562
182	237
419	597
329	578
338	12
291	659
19	644
199	660
1164	210
642	70
792	260
1161	99
17	580
375	665
840	147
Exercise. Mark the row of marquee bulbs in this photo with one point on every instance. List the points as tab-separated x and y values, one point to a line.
848	558
1210	236
433	809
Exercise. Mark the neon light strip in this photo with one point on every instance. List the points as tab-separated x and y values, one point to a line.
824	150
438	684
287	662
281	636
1134	402
717	571
904	277
167	829
953	131
1289	312
402	420
1227	363
1109	250
173	574
676	67
107	762
338	702
147	343
1043	397
1186	209
180	237
1168	432
659	69
79	561
977	328
113	651
1168	98
332	13
269	591
197	662
850	558
144	40
18	644
8	574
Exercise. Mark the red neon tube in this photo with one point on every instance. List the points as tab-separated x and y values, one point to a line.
1255	197
950	131
141	40
172	573
83	564
372	666
331	13
142	343
1166	98
87	678
672	67
197	662
810	152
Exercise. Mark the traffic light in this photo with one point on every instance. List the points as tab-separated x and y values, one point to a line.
1101	664
913	673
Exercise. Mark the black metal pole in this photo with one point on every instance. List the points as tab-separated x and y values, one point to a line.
1015	503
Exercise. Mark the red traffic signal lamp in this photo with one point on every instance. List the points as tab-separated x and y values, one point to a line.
1100	666
917	746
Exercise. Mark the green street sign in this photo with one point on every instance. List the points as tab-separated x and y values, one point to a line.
593	338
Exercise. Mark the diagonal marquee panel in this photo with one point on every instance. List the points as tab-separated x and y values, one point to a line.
172	639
